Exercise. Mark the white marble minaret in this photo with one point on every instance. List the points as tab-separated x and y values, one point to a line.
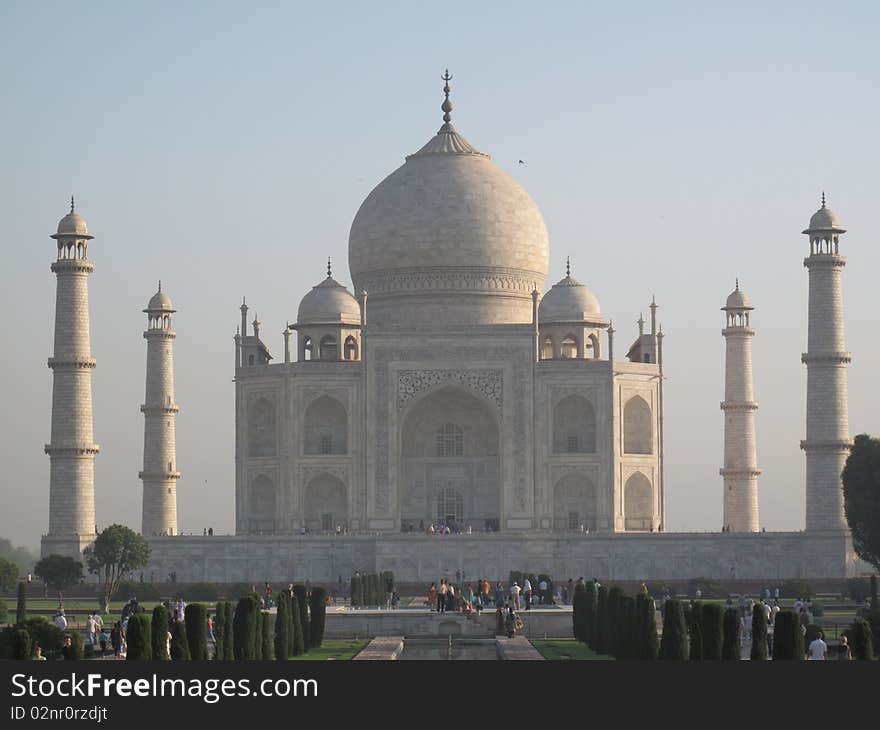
740	470
71	449
828	443
160	473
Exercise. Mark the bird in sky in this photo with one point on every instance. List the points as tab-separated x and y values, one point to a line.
521	162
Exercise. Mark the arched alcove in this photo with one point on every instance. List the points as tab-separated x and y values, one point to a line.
325	427
261	428
325	504
637	427
574	426
574	503
638	501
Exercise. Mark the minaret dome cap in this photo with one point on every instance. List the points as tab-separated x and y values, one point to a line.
73	224
737	300
160	302
824	221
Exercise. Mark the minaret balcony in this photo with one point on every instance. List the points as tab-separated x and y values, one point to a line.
749	405
825	259
160	409
830	358
72	266
72	449
826	444
72	363
158	476
749	471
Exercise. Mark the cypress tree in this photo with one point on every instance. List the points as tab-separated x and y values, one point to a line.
626	627
788	639
302	601
258	634
614	621
268	644
244	628
318	618
712	625
138	638
282	627
77	650
589	613
21	607
219	629
646	639
674	644
600	645
298	647
695	631
759	634
860	638
179	645
578	613
229	632
196	619
731	648
159	633
357	591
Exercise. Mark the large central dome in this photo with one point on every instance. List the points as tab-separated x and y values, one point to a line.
448	238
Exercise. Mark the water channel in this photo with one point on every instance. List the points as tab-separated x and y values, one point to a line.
450	648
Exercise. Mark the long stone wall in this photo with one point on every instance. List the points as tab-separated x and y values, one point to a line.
419	558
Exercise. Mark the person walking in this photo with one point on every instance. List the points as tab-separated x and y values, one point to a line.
818	649
527	593
432	597
441	596
514	595
389	591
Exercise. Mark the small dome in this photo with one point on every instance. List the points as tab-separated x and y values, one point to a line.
328	303
569	301
738	300
160	302
73	224
824	220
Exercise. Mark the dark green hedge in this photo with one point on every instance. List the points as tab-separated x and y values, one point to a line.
318	618
282	626
646	643
138	638
159	632
759	634
244	628
712	625
302	601
197	631
731	647
674	643
788	639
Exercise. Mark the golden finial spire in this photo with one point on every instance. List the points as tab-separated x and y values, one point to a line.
447	105
72	204
823	198
567	266
160	286
329	271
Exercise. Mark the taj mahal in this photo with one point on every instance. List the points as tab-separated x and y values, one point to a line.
451	386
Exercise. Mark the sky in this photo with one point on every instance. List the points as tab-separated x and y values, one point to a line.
225	148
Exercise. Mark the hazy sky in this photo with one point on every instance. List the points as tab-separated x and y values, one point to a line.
225	149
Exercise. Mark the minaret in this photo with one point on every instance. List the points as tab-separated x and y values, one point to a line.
160	473
72	449
828	443
740	469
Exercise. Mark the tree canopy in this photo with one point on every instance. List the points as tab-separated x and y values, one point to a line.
59	572
861	497
116	551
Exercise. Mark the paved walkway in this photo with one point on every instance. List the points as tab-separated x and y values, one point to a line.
382	648
518	649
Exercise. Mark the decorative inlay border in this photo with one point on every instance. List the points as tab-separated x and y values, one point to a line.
487	383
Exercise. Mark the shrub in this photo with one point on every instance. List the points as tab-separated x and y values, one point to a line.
159	633
266	636
199	592
197	631
138	638
601	643
788	639
708	587
282	626
858	589
21	607
712	625
44	633
731	648
818	610
861	640
795	588
127	589
695	631
646	628
21	644
4	612
179	645
873	620
77	651
296	632
759	633
318	618
674	644
302	601
244	628
590	614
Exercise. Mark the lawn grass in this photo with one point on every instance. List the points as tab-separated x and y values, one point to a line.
567	649
333	649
